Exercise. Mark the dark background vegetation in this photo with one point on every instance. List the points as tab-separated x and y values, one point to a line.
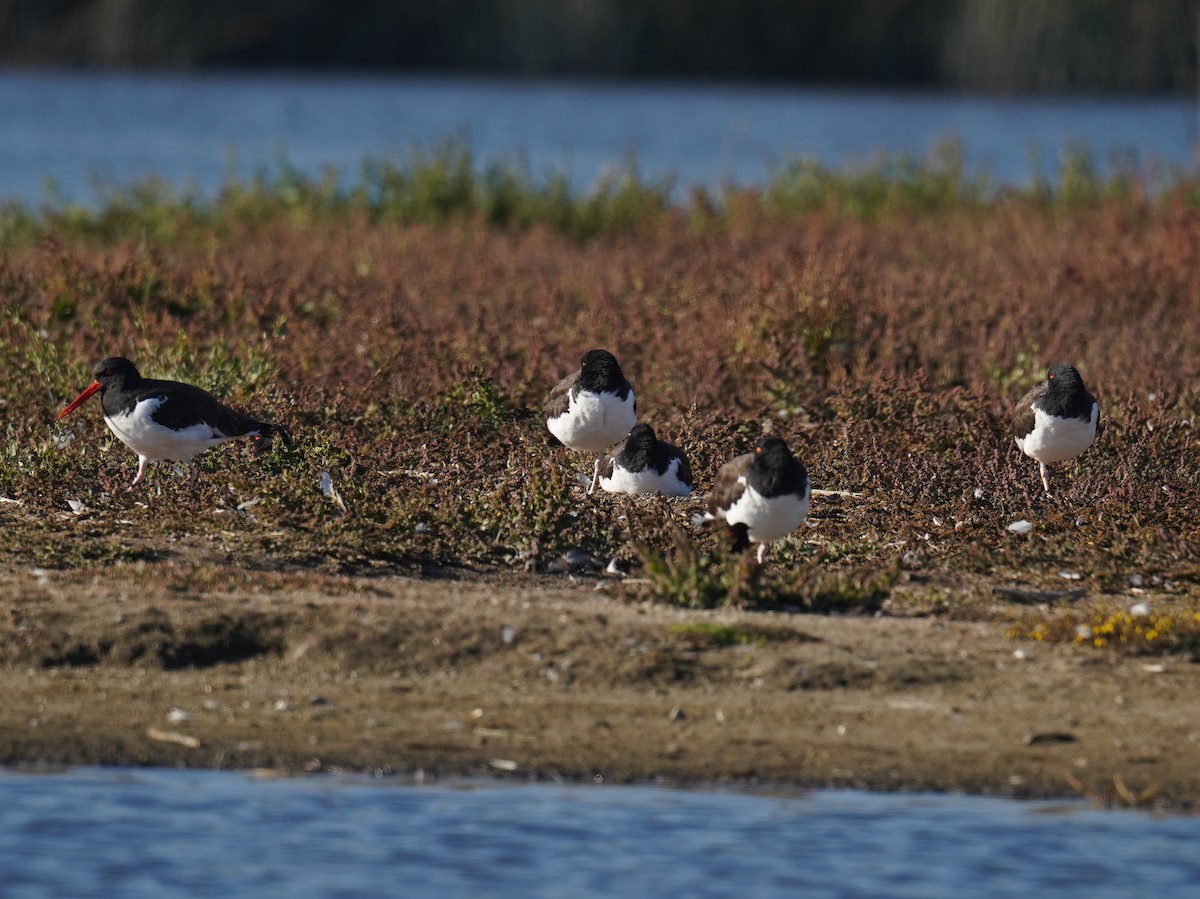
987	45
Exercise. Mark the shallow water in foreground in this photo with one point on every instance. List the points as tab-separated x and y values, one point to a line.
95	831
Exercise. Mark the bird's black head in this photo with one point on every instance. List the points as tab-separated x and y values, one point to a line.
1066	396
599	370
114	371
599	360
642	437
771	451
1064	383
777	470
1063	376
638	449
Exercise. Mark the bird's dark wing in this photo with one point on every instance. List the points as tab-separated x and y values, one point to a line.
670	452
606	467
186	405
560	397
726	489
1022	418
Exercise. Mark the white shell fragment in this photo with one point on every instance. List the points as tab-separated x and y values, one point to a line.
331	492
1021	526
170	736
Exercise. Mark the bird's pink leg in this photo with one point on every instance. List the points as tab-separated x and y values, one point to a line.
141	472
1045	469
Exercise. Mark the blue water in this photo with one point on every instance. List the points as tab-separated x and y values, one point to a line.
152	833
197	130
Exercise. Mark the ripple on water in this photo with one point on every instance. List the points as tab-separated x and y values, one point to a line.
204	833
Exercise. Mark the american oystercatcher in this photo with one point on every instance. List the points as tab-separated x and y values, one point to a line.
593	408
762	495
645	464
1056	420
165	419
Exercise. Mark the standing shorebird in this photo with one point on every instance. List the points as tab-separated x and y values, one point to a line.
165	420
1056	420
762	495
645	464
593	408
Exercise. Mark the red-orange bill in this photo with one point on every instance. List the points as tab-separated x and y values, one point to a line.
93	389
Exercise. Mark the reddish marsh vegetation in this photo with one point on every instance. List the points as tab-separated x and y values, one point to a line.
411	362
422	602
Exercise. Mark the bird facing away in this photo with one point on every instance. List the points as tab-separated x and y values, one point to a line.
593	408
645	464
762	495
1056	420
165	420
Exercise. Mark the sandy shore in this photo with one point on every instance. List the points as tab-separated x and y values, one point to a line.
542	677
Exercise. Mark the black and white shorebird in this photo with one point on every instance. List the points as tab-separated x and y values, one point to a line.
1056	420
762	495
593	408
165	420
645	464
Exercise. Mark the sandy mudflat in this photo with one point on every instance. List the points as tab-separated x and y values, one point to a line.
540	677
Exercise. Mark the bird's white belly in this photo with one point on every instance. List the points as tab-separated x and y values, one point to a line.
646	481
151	440
770	519
593	423
1057	439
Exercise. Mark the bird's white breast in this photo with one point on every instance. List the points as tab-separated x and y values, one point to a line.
151	440
646	481
594	421
1057	439
769	519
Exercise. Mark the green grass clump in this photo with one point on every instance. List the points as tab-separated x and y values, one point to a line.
447	183
690	577
894	184
711	634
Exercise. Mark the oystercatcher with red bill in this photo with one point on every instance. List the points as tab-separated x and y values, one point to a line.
763	495
1056	420
592	409
166	420
645	464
